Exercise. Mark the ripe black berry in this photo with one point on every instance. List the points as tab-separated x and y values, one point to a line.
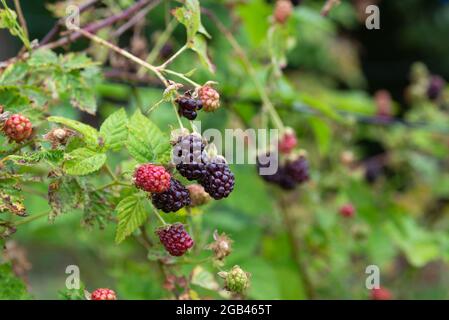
298	169
436	85
188	107
189	156
176	197
175	239
218	180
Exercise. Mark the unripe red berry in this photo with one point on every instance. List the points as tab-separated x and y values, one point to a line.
381	294
175	239
152	178
209	97
17	128
282	11
198	195
347	210
288	141
103	294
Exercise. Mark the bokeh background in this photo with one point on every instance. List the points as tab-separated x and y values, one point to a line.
338	79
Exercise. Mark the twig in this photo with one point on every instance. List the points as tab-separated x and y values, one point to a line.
30	218
328	7
21	17
131	22
96	26
57	27
124	53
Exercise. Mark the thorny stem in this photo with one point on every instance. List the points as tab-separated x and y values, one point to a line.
250	70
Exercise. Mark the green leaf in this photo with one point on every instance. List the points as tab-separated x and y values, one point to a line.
14	73
146	143
323	134
31	158
131	215
199	45
12	288
84	99
43	58
83	161
190	17
204	278
64	194
90	135
115	130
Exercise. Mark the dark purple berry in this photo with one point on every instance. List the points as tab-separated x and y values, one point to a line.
175	198
188	107
218	181
189	156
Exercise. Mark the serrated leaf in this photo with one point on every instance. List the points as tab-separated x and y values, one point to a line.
131	215
146	143
64	194
74	61
84	99
190	16
14	73
12	97
199	45
115	130
42	58
31	158
83	161
90	135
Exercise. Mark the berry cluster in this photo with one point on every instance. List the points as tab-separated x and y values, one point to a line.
175	239
193	163
173	199
287	176
188	106
152	178
236	280
209	97
347	211
103	294
17	127
189	156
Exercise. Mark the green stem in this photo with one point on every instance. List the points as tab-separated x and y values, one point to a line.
30	219
181	76
173	57
177	115
161	41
